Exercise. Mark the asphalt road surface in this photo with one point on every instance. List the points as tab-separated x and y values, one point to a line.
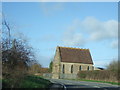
70	84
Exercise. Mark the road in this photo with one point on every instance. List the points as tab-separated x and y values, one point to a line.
69	84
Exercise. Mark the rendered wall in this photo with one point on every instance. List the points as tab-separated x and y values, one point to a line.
76	67
56	65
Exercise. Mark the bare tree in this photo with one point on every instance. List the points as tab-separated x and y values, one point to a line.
16	56
5	23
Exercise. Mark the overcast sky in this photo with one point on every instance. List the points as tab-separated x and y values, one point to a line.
83	25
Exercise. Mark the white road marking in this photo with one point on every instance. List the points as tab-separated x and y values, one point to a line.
96	86
69	83
63	86
86	84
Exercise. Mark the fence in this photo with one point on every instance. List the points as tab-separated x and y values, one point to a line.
62	76
68	76
47	75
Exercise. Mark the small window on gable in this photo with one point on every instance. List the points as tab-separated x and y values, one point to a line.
72	69
80	68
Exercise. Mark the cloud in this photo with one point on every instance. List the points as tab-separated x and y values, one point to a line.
114	44
90	29
49	9
99	30
71	37
74	39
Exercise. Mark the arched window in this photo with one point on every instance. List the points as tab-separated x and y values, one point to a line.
80	68
63	69
72	69
88	68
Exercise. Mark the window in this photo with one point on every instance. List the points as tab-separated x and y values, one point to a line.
80	68
88	68
72	69
63	69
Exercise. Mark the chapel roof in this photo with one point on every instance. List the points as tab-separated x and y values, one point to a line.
75	55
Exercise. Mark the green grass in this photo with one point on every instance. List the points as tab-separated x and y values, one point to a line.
6	83
31	82
34	82
114	83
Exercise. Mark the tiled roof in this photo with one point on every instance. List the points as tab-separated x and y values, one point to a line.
75	55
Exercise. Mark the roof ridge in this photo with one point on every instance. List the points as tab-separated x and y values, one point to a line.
73	48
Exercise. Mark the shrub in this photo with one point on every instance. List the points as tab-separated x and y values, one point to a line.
110	74
16	55
104	75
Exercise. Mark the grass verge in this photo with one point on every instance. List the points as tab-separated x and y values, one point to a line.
30	82
114	83
34	82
